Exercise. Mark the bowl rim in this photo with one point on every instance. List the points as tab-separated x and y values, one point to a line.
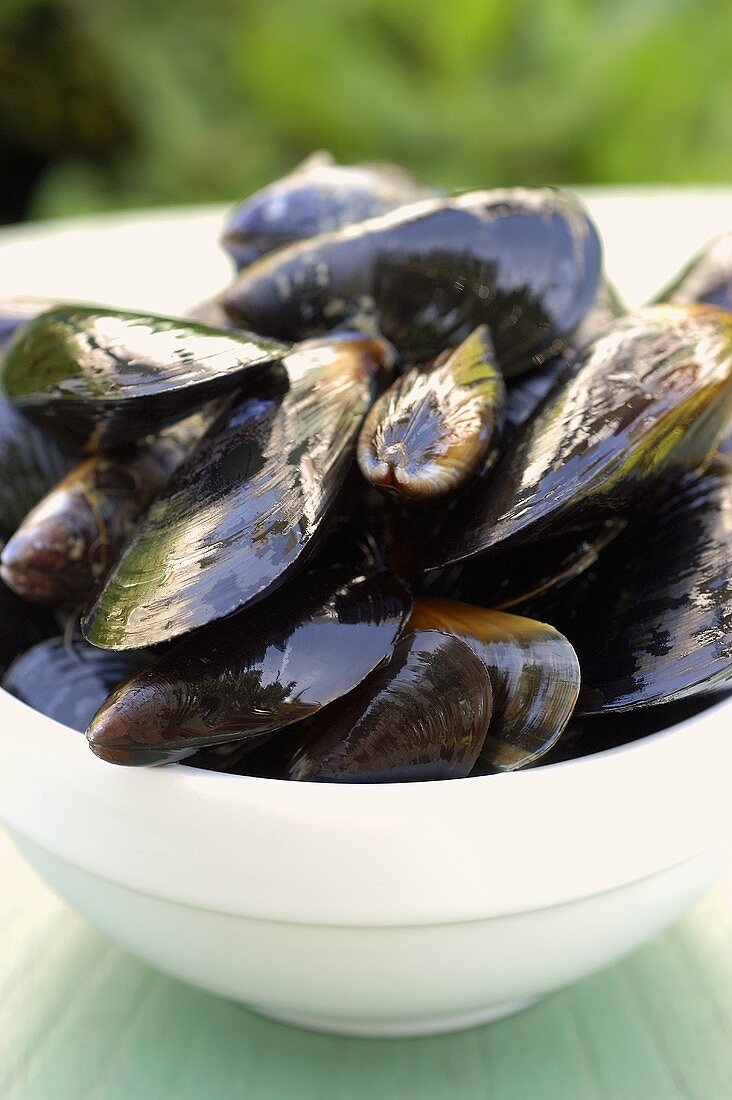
370	854
206	776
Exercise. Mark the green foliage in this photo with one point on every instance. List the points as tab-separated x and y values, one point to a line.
207	99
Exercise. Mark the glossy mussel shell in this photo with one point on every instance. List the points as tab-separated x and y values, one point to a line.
528	577
67	679
75	533
649	402
657	625
422	716
239	515
526	263
102	378
258	671
533	669
526	393
30	465
318	197
428	434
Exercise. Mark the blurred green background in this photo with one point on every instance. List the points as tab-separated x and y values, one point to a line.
114	103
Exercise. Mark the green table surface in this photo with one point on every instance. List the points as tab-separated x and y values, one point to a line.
80	1019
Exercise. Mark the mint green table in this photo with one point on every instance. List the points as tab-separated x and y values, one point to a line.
82	1020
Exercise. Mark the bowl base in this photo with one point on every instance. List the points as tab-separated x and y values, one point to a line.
395	1029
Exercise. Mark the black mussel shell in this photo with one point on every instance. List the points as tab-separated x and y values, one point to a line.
30	465
526	579
15	312
102	378
526	263
422	716
533	669
649	403
526	393
258	671
66	544
657	624
428	434
243	511
706	278
67	679
21	626
318	197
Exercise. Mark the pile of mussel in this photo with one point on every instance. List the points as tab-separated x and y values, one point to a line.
415	497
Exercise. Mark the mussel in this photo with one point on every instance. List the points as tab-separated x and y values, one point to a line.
526	579
259	671
67	679
657	625
317	197
428	434
70	539
422	716
30	465
102	378
526	393
533	669
239	515
706	278
526	263
648	403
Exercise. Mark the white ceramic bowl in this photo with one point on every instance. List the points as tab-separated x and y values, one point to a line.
375	910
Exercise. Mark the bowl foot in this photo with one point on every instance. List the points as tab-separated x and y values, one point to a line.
395	1029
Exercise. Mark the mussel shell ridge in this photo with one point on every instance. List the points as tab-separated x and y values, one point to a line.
422	716
533	669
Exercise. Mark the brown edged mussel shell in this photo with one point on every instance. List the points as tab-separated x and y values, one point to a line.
317	197
533	669
648	403
526	263
428	434
657	624
75	533
706	278
30	465
256	672
102	378
67	679
243	510
422	716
